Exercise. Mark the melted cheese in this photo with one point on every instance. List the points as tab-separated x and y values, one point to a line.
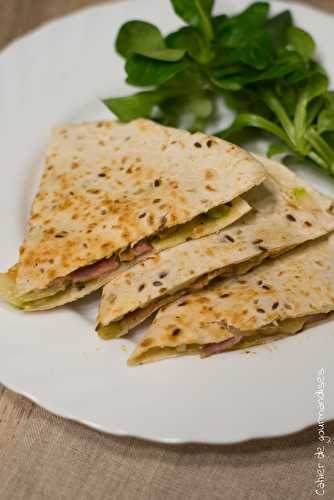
215	220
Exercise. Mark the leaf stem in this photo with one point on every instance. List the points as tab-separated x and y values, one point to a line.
318	160
252	120
300	120
206	22
274	104
321	147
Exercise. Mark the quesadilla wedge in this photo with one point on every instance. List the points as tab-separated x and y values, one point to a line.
278	299
286	213
112	194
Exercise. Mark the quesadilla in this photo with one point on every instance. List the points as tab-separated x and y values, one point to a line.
278	299
286	212
112	194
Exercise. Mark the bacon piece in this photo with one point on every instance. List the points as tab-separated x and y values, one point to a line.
316	317
217	347
94	270
139	249
199	284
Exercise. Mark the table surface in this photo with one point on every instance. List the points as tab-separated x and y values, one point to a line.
46	457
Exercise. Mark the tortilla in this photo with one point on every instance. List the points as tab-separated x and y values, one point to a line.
107	187
277	299
287	212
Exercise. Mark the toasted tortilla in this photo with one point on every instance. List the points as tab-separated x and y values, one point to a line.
287	212
277	299
107	186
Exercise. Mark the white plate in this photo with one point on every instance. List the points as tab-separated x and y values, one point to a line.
55	75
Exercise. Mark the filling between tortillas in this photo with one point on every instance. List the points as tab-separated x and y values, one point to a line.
99	273
236	340
121	327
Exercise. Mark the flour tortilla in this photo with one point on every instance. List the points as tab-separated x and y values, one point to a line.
107	186
287	212
275	300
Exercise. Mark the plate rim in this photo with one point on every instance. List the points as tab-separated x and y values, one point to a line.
93	425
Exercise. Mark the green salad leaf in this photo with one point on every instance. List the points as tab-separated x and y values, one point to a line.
191	41
196	13
302	42
325	122
130	107
145	71
236	31
261	67
278	27
168	55
136	37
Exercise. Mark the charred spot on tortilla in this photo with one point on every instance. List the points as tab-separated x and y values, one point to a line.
150	219
218	328
163	222
113	212
229	238
182	304
146	342
192	266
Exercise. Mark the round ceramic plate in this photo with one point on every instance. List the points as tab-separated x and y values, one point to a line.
57	75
